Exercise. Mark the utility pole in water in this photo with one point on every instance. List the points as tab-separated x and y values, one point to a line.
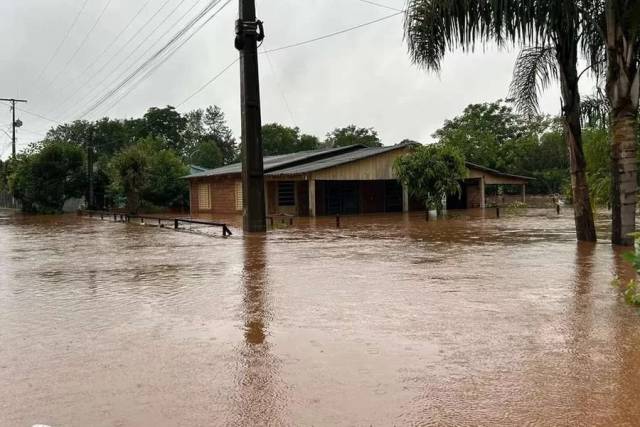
14	123
249	32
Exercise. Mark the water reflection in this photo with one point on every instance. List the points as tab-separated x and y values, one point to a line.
389	320
259	395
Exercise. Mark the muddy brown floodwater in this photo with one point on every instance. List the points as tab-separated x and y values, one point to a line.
389	320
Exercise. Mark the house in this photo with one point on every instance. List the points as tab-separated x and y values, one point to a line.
345	180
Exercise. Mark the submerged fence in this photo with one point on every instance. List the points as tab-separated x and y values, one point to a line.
8	202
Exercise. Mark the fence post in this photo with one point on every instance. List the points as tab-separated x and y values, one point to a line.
497	211
337	221
175	223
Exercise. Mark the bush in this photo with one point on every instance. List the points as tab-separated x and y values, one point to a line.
45	179
144	175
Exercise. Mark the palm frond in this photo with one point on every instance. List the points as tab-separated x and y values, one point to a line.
434	27
595	110
535	69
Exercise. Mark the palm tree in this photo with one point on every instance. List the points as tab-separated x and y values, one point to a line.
615	42
433	27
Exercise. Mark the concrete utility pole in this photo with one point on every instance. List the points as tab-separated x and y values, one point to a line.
14	123
249	32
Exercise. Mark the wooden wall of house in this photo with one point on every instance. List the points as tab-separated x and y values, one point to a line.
374	168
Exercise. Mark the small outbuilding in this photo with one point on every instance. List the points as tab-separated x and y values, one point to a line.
346	180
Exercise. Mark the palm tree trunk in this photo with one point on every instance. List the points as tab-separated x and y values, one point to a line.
623	91
567	60
624	171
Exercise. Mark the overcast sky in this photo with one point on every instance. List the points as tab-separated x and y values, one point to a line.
363	77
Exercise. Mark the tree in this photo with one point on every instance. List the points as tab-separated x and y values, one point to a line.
206	154
555	29
487	133
165	186
352	135
44	180
431	173
130	175
167	125
216	126
618	22
209	141
278	139
148	175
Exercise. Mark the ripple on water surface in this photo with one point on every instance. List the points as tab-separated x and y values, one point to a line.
388	320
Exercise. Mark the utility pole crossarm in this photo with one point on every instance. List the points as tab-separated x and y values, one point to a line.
14	124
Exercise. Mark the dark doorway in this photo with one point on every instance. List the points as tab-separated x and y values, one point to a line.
458	201
342	197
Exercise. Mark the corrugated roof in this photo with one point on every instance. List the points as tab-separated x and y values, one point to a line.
273	163
497	172
336	160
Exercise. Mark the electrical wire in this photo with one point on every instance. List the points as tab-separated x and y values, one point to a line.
384	6
112	57
164	59
90	94
176	38
204	86
63	41
82	44
279	86
266	52
337	33
94	61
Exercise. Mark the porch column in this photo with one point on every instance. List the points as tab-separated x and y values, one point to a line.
405	199
312	197
483	203
524	193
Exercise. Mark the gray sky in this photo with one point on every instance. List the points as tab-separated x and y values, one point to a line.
363	77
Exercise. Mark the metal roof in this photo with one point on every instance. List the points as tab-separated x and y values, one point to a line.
305	162
497	172
273	163
336	160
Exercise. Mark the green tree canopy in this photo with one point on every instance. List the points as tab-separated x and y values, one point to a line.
167	125
146	174
278	139
351	135
44	180
495	136
431	173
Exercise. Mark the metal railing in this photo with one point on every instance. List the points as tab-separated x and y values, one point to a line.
161	221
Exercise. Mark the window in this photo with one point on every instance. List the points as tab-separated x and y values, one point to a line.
286	193
204	197
238	192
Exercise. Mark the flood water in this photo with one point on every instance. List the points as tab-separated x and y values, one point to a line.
389	320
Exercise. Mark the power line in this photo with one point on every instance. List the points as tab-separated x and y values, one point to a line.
149	49
266	52
204	86
84	41
337	33
94	61
62	42
165	58
112	57
384	6
90	94
159	53
284	98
